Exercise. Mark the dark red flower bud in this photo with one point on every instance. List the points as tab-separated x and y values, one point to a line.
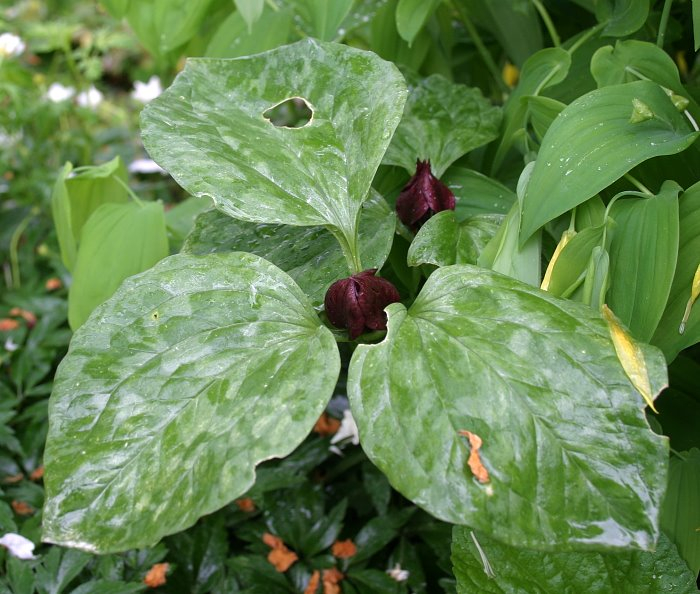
422	197
357	302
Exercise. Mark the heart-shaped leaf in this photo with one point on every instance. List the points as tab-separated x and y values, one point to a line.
537	381
173	391
209	130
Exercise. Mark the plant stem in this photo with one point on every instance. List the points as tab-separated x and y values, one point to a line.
348	246
586	36
677	453
664	23
14	248
547	22
481	48
129	191
639	185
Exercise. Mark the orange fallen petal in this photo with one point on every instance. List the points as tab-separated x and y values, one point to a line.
474	461
246	504
326	425
22	508
272	541
312	586
12	479
343	549
37	473
156	575
53	284
282	558
28	316
7	324
331	579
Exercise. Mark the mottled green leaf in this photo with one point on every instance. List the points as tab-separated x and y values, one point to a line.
537	378
310	255
475	193
443	240
643	257
118	240
607	146
667	336
411	15
514	571
622	17
441	122
208	130
176	388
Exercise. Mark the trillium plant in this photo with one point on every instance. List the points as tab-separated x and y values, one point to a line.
517	414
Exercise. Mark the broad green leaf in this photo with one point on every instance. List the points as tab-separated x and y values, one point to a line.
176	388
667	336
211	120
233	39
515	570
118	240
680	515
117	8
250	11
443	240
607	146
622	17
475	193
327	17
441	122
411	16
310	255
542	111
78	194
643	257
538	380
180	219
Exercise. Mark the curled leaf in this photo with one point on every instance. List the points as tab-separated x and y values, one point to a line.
156	575
475	465
641	112
694	293
566	237
630	356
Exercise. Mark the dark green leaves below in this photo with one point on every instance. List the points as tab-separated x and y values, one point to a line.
173	391
607	146
514	571
442	121
208	130
310	255
538	380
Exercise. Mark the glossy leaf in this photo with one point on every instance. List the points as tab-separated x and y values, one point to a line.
680	515
477	193
543	405
118	240
250	11
643	256
310	255
667	336
411	16
542	111
607	146
516	570
443	240
442	121
211	120
175	389
622	17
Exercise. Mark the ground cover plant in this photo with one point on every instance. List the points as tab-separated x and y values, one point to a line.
468	230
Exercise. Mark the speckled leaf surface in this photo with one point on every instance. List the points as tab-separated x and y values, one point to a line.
310	255
607	146
442	121
571	460
173	391
209	132
519	570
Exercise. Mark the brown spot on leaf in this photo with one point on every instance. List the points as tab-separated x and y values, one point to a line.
22	508
326	425
245	504
343	549
475	465
280	556
156	575
314	581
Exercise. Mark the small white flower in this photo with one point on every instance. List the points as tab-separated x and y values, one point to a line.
90	98
145	92
11	345
20	547
398	574
145	166
57	93
11	45
348	428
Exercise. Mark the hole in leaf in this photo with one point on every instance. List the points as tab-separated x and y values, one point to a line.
294	112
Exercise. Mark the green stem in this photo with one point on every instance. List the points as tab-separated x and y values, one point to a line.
349	248
14	248
664	23
586	36
129	191
639	185
481	48
613	200
677	453
547	22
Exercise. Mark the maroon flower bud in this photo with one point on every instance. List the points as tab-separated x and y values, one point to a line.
357	303
422	197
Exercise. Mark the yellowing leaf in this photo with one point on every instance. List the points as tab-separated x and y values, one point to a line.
694	293
630	356
566	237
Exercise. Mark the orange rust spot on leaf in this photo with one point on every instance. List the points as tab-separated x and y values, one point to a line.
475	465
22	508
343	549
314	581
37	473
156	575
246	504
326	425
7	324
